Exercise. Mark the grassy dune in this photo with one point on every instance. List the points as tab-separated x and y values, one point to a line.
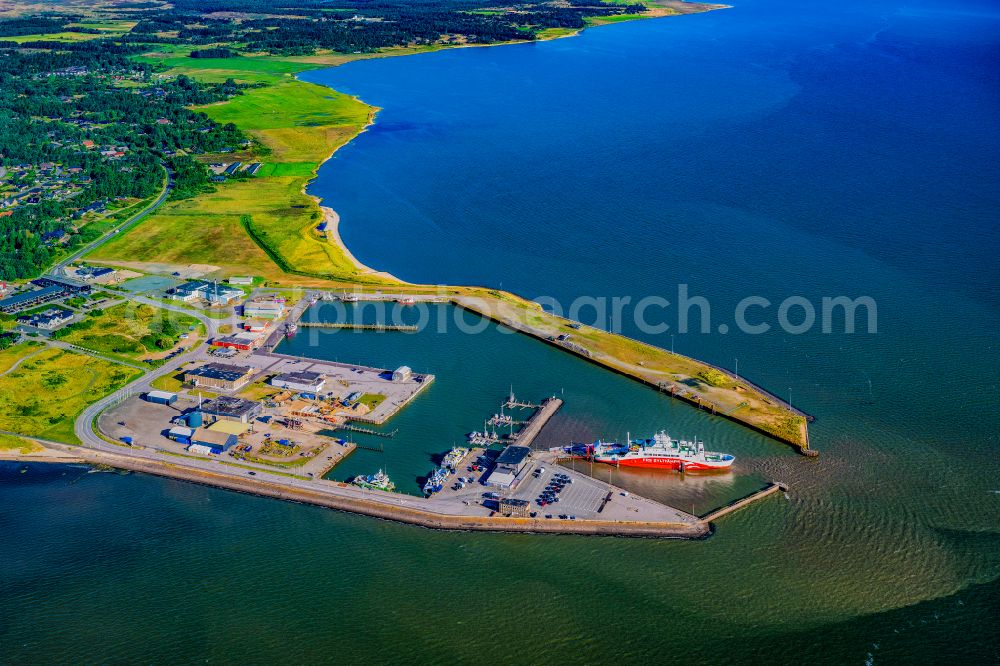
44	395
24	446
129	331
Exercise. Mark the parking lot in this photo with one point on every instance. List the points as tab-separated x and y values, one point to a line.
582	498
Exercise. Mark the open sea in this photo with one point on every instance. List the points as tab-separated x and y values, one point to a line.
773	149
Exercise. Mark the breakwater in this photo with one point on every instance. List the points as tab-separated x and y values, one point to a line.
770	489
389	506
636	373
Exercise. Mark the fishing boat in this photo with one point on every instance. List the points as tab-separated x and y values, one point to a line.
454	458
378	481
435	482
660	452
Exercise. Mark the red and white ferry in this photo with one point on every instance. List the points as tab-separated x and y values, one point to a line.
661	452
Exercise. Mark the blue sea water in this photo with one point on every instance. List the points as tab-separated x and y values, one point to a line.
773	148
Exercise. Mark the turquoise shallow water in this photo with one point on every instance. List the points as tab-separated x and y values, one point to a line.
775	148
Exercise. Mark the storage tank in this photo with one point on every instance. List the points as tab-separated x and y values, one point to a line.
195	419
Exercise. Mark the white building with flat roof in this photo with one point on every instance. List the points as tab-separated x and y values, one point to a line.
263	309
311	382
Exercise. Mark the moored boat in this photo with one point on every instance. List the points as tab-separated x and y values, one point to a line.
378	481
454	458
435	482
659	452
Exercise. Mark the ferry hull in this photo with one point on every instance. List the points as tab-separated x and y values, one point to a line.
646	462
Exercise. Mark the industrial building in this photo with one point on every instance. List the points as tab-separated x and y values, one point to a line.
310	382
208	441
229	408
245	280
180	434
161	397
220	375
71	287
230	427
97	274
263	309
509	465
189	291
402	374
217	294
244	341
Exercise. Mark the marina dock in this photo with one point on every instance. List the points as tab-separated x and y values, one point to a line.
358	327
526	435
365	431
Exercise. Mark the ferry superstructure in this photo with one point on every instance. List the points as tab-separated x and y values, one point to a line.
659	452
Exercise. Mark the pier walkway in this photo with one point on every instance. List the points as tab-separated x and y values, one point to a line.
746	501
358	327
526	435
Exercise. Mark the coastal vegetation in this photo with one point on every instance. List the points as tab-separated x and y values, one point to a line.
43	394
9	443
127	330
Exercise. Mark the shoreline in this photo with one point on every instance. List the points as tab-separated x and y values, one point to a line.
374	504
373	113
758	409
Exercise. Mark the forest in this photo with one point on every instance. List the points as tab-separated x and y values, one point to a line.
72	136
304	26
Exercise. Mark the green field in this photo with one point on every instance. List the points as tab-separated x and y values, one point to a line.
11	355
372	400
243	68
19	444
43	396
301	124
128	330
107	29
